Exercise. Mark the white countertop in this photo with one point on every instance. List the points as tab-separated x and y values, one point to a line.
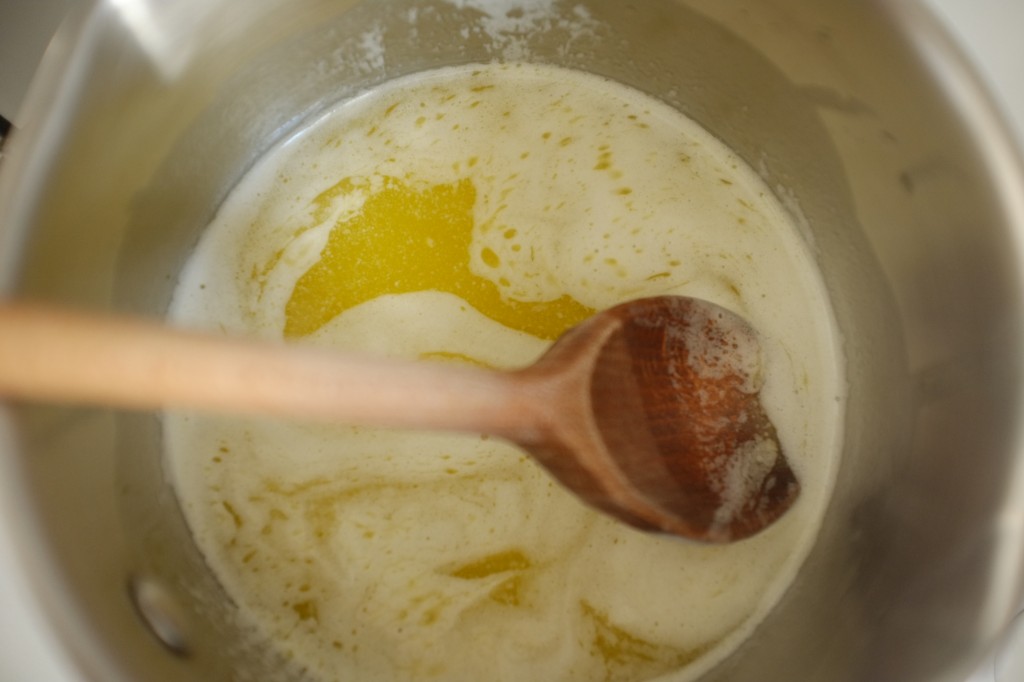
987	30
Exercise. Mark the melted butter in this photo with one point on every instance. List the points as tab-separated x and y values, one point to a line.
509	591
406	239
307	610
512	563
461	358
628	657
502	562
440	218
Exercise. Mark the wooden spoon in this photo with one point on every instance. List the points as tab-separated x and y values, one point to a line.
649	410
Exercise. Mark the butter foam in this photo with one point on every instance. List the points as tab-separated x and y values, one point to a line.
379	555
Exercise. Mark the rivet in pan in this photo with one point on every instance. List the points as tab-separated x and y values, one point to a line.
160	612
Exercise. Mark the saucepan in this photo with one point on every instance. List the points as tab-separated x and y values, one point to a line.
861	114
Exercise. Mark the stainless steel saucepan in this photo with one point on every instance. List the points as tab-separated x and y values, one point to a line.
859	112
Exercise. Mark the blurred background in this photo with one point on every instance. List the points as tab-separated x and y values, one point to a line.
988	31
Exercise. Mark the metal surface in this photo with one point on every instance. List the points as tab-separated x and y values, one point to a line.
26	27
859	112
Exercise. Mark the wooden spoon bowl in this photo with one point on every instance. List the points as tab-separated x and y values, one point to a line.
665	401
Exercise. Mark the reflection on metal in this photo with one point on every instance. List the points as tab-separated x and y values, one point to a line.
156	27
1010	658
160	613
170	33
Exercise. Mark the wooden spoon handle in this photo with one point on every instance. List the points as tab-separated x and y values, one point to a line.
56	355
